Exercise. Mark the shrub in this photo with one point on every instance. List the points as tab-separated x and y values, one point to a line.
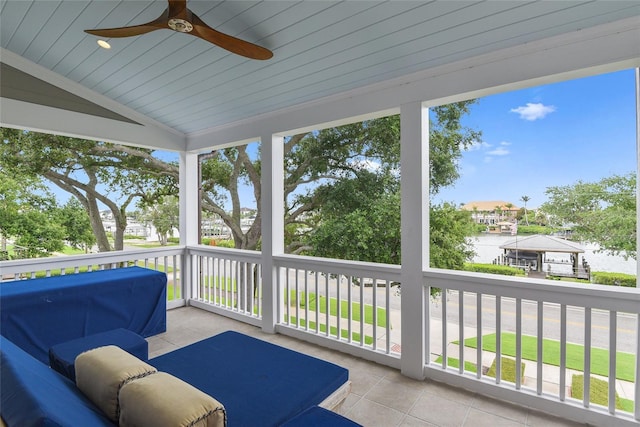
613	279
508	368
493	269
598	391
175	240
535	229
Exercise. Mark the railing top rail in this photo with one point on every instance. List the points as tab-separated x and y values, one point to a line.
594	296
230	253
39	264
337	266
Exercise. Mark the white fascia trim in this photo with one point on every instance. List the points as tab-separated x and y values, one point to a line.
605	48
23	115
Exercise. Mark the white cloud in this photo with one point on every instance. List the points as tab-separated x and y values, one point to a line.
505	143
478	145
533	112
498	152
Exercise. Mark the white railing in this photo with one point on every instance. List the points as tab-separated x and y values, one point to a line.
168	260
581	330
345	302
227	281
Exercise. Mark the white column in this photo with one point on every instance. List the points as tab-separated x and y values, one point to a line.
272	210
637	382
414	155
189	227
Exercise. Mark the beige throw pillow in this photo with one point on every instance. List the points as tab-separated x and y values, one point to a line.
101	373
162	400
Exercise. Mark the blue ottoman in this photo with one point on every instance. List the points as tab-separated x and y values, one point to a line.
62	357
320	417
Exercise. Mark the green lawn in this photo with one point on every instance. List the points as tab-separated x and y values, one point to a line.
625	362
333	331
344	306
455	363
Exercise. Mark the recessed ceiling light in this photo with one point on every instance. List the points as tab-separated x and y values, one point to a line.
103	44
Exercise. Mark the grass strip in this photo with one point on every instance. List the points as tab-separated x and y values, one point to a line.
625	362
333	331
455	363
344	307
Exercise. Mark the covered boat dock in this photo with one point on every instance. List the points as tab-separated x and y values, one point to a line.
532	253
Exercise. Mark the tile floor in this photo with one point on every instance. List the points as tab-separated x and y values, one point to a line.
380	396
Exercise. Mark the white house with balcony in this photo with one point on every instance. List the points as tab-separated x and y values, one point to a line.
333	63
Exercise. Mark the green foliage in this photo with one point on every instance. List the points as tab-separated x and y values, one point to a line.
449	228
165	217
613	279
90	171
536	229
75	220
603	212
493	269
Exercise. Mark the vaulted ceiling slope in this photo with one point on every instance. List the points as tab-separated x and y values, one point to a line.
183	86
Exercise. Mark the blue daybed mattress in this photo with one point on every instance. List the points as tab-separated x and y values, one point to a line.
260	384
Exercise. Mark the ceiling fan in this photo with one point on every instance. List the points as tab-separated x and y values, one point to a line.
178	17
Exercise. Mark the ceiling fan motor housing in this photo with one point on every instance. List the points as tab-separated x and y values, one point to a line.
180	25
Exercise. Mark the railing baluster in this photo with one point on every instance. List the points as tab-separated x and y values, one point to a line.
327	305
498	339
387	306
563	351
316	289
613	346
339	307
349	308
518	342
287	296
479	335
460	330
443	298
374	300
539	349
362	311
587	357
306	300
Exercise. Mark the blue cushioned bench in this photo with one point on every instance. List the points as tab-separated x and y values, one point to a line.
320	417
259	383
62	356
40	313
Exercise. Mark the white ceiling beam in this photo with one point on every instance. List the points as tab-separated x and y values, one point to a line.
24	115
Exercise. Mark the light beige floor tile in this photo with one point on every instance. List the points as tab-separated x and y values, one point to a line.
410	421
538	419
477	418
400	398
501	409
372	414
439	411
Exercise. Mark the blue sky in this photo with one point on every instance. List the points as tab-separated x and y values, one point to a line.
546	136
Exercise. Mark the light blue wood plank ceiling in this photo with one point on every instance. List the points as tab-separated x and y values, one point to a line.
320	47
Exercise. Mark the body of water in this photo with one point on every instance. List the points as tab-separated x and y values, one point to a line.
487	248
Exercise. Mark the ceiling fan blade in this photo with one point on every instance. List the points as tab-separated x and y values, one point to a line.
135	30
230	43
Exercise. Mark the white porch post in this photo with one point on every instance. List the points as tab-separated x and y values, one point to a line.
188	192
272	209
414	157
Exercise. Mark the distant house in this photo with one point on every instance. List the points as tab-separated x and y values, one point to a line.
491	212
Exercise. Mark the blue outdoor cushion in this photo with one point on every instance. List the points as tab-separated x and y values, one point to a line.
35	395
320	417
62	357
259	383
